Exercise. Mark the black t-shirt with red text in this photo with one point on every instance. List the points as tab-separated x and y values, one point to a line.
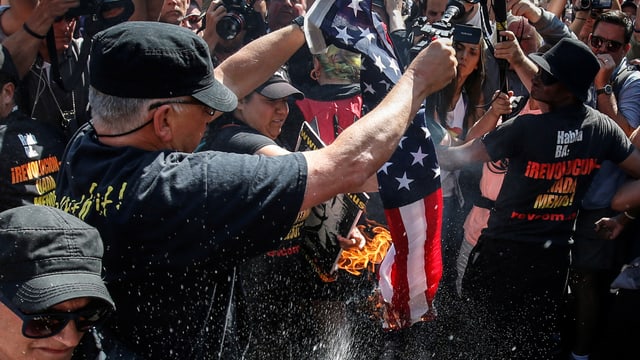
552	160
30	153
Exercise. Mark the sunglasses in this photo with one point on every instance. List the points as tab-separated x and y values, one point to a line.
612	45
49	323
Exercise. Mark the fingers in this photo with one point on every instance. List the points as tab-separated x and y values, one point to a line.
509	35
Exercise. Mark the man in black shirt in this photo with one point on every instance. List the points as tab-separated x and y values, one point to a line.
174	222
516	274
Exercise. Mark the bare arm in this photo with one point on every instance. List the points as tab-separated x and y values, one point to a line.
23	46
394	10
363	147
272	150
608	104
455	157
260	58
511	51
556	7
487	122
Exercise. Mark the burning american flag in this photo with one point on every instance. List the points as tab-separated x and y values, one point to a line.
409	182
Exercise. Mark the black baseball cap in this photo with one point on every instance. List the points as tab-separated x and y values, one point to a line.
572	63
278	87
47	257
153	60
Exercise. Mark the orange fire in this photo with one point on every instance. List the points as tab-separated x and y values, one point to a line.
355	260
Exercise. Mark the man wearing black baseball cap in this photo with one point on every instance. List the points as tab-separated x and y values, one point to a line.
516	280
51	288
175	223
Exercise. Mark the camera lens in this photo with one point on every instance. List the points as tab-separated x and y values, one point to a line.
585	4
230	26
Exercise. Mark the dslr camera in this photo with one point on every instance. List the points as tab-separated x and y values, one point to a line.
240	15
594	4
86	7
444	28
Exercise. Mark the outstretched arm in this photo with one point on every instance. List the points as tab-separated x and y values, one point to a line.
455	157
363	147
259	59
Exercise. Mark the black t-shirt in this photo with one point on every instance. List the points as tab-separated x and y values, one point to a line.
173	225
30	153
233	136
281	274
552	160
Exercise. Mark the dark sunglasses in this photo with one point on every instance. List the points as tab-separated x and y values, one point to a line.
612	45
49	323
545	78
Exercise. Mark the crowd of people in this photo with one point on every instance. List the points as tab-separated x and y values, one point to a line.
153	201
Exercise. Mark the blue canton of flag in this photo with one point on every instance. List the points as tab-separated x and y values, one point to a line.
410	174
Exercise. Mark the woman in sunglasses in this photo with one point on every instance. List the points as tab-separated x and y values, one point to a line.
51	289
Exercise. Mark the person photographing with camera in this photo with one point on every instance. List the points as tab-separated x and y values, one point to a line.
231	24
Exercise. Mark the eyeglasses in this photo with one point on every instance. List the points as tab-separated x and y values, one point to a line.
193	19
208	110
545	78
47	324
612	45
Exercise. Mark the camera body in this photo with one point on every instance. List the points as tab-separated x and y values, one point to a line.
595	4
458	33
86	7
240	16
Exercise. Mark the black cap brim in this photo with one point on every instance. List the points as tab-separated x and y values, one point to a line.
218	97
43	292
539	60
280	90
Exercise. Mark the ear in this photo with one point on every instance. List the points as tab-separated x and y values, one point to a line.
161	124
8	91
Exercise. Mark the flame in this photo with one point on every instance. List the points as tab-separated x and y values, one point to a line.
378	241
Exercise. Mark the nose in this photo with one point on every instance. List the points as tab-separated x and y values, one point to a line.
282	106
69	336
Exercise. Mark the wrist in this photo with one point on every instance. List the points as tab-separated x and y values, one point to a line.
630	215
33	33
535	14
299	21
